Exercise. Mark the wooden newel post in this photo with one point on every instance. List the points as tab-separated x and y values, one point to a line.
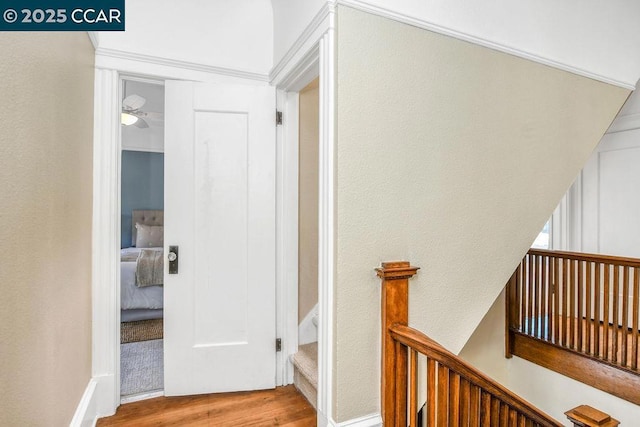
395	309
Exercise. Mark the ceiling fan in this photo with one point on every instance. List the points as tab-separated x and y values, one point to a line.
132	113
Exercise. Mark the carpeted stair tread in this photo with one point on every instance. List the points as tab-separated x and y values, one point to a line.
306	361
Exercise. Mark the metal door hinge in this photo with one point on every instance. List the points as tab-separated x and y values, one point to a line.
278	344
278	117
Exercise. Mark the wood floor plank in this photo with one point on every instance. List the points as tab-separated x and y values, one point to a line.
284	406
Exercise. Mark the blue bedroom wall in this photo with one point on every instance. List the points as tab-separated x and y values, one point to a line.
142	186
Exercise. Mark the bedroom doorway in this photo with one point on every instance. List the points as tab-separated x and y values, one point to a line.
142	239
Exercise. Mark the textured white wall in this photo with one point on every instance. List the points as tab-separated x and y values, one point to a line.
594	36
232	34
451	156
553	393
598	38
46	139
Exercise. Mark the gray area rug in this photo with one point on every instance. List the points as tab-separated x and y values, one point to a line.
141	367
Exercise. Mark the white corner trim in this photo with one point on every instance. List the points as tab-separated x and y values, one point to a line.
94	38
512	50
371	420
307	330
326	221
287	234
624	123
310	36
106	241
86	413
174	63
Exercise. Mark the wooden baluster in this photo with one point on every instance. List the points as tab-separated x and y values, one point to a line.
504	415
513	418
549	304
588	314
572	303
522	421
625	316
580	320
636	314
565	308
615	320
474	407
465	397
443	395
510	313
431	392
395	309
556	301
534	303
544	327
485	409
401	384
529	318
520	295
495	413
413	389
596	311
454	399
605	313
540	297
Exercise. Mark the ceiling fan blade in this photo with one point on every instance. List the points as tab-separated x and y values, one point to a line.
133	102
141	123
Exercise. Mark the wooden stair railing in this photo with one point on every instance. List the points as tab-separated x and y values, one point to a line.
456	393
578	314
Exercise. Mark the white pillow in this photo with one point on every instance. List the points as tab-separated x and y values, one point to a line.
149	236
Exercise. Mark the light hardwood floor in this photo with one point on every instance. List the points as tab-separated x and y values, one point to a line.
283	406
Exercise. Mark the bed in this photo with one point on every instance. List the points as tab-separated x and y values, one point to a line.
141	268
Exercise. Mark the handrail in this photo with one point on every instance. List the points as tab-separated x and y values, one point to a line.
580	256
420	342
456	393
563	306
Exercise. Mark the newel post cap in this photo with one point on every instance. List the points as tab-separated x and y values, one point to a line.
396	270
585	415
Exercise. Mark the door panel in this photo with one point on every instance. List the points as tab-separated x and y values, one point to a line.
220	210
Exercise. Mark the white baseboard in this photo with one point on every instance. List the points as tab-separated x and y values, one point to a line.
86	413
371	420
307	329
141	396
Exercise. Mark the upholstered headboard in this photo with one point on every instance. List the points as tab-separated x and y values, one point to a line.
146	217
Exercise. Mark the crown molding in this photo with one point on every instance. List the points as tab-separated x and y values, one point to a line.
93	36
192	66
624	123
310	34
512	50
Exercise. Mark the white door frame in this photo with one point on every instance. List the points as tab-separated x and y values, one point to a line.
311	56
106	229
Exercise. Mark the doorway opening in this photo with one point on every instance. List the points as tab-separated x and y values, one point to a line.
141	239
306	359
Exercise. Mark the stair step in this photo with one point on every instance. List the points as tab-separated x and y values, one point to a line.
305	362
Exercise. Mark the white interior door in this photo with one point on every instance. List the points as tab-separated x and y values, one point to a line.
220	210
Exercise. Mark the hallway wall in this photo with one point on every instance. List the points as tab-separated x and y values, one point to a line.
449	155
46	139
